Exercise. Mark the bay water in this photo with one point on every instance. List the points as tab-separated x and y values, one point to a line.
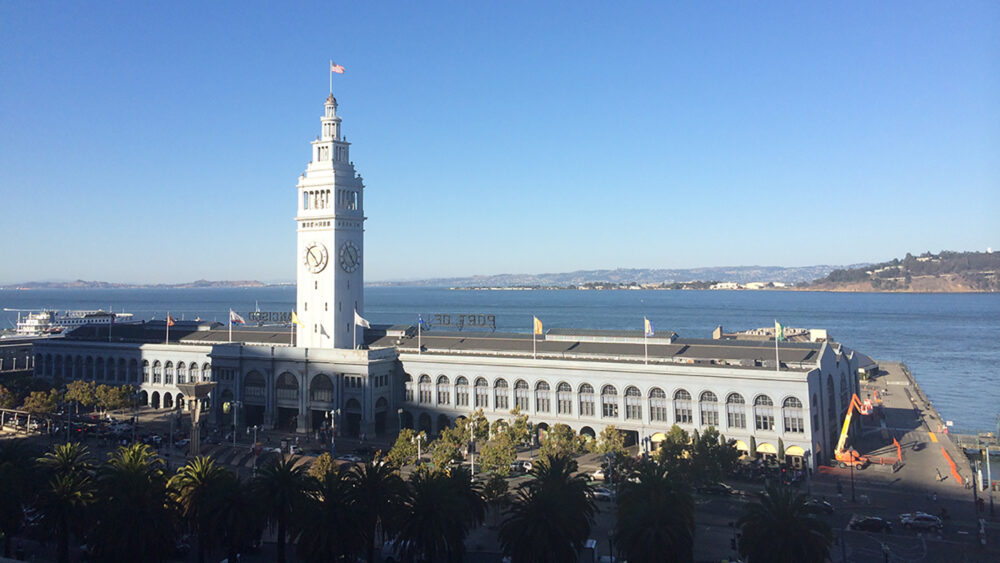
951	342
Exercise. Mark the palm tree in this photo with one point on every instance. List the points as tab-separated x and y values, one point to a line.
440	510
68	492
135	520
196	490
655	516
16	483
238	519
551	516
281	489
328	529
377	496
781	528
62	504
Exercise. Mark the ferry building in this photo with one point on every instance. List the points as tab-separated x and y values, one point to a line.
374	380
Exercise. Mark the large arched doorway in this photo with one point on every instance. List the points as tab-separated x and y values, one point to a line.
254	393
320	400
143	398
154	400
442	423
226	412
168	401
424	423
352	418
287	395
381	412
405	420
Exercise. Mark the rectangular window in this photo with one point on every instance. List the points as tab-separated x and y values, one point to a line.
542	404
501	400
794	423
709	417
462	397
482	397
764	420
587	406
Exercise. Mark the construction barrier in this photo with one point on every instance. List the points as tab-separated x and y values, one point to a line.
954	470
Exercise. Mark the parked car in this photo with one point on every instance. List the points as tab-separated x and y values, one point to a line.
521	466
720	489
349	458
602	494
920	521
817	505
598	475
869	524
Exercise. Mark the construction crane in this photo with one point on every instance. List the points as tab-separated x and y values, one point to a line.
847	457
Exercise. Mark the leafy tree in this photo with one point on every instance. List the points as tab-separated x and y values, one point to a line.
781	528
610	441
378	495
481	425
519	426
495	493
134	516
7	399
445	450
551	516
674	453
62	503
281	488
81	392
326	527
497	455
712	457
562	440
655	516
441	508
197	491
113	397
404	451
322	466
40	402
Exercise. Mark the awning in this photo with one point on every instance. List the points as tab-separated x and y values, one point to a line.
766	448
795	450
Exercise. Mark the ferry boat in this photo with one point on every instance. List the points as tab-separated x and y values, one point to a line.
53	322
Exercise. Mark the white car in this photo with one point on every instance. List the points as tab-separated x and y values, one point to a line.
349	457
920	521
602	494
597	475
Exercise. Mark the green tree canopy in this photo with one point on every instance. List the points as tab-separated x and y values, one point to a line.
7	399
610	441
562	440
404	451
83	392
40	402
322	466
497	455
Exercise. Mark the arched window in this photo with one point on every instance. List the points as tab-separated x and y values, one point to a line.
501	395
682	407
424	388
462	392
586	400
542	401
287	388
157	372
763	413
564	394
736	411
657	405
206	372
443	391
633	403
482	393
321	388
791	411
609	402
709	407
181	372
168	378
407	387
193	373
521	393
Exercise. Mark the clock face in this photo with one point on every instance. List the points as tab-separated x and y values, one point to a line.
350	256
315	257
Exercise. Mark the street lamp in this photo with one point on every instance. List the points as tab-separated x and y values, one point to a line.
334	415
418	439
399	416
236	406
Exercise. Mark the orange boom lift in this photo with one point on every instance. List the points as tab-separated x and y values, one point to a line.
847	457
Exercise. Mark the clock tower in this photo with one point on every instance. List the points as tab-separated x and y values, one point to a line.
330	254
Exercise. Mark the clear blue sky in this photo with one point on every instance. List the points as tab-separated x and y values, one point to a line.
162	142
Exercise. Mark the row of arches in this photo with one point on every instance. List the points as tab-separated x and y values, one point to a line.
165	401
120	370
681	409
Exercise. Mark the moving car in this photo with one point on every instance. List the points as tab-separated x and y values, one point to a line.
869	524
920	521
720	489
602	494
817	505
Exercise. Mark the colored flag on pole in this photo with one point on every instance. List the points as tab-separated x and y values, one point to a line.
235	318
538	326
648	326
334	67
170	320
360	321
779	331
295	320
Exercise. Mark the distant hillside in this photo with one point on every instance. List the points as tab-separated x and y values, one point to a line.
83	284
740	274
945	272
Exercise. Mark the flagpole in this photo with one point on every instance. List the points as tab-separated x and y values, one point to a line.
777	358
230	325
354	330
419	345
168	328
331	77
534	346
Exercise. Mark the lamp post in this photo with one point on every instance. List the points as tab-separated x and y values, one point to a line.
334	415
417	439
472	445
399	417
236	408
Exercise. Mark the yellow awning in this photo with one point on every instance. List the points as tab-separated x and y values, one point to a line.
742	446
766	448
795	450
658	437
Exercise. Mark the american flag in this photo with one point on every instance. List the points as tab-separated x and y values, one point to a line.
334	67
